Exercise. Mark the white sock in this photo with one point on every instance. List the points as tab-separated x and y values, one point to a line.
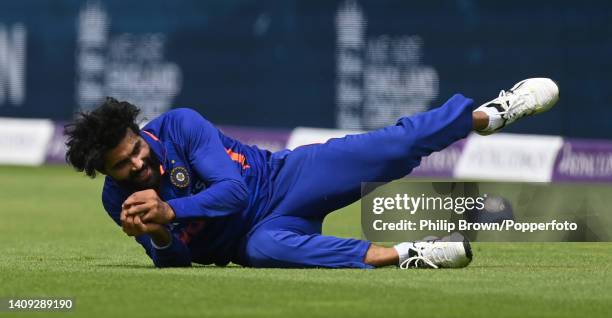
402	250
495	119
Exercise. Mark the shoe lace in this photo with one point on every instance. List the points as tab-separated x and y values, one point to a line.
438	254
516	104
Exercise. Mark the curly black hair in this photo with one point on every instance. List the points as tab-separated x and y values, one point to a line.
93	133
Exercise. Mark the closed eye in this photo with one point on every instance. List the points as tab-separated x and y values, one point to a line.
120	164
136	149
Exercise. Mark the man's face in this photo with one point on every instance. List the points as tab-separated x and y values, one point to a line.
132	164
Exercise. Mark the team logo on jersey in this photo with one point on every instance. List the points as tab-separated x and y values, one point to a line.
179	177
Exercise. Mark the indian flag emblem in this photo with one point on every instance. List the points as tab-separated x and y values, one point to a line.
179	177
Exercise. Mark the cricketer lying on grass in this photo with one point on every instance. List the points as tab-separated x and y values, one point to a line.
190	194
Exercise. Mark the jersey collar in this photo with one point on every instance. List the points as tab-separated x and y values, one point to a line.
158	149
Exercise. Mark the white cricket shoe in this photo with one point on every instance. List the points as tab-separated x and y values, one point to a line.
527	97
449	252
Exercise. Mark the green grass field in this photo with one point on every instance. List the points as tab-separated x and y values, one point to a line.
57	241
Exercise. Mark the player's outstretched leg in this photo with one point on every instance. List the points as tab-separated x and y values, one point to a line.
318	179
295	242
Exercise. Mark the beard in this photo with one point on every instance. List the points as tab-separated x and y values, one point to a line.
133	183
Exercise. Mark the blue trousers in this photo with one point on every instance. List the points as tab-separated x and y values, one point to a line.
314	180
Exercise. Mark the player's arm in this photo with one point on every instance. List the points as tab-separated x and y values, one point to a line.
160	244
227	192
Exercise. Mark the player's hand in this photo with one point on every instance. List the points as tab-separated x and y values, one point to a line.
148	206
133	226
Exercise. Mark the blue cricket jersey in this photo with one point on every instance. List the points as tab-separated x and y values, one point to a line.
217	187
